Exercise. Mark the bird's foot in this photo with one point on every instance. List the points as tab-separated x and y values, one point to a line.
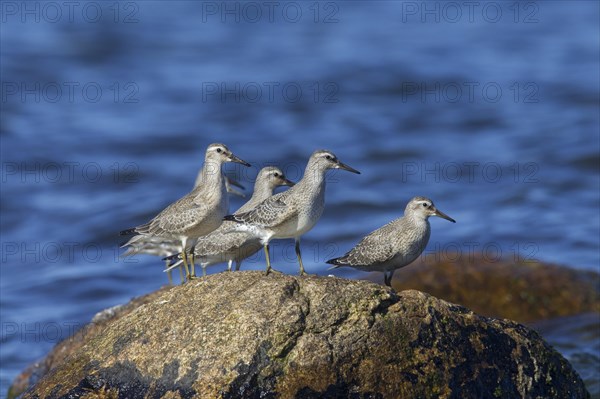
271	270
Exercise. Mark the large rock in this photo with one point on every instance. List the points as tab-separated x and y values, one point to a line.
244	334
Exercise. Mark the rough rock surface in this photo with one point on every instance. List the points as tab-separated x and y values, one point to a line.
244	334
63	349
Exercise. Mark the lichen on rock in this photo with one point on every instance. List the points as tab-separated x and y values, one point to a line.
247	335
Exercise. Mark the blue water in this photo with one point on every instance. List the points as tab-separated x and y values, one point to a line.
107	109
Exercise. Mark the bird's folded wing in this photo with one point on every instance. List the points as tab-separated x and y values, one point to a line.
174	223
373	249
269	213
220	242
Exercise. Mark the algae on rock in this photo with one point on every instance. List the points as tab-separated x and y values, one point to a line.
246	335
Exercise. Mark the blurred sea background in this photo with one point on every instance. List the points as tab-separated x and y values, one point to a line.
491	110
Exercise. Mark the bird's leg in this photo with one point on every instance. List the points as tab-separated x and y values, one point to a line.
238	263
268	258
203	270
387	278
229	265
184	257
193	257
169	273
181	274
390	277
302	272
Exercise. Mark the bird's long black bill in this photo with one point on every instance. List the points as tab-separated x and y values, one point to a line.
348	168
289	183
238	160
443	216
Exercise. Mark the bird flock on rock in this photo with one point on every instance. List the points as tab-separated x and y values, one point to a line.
198	229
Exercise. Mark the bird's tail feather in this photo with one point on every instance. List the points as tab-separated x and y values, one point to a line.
131	242
128	232
336	262
173	257
130	252
173	265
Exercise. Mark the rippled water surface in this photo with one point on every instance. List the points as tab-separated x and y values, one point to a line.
105	118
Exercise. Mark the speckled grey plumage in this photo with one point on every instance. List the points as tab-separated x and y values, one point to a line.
163	246
396	244
294	212
225	244
197	213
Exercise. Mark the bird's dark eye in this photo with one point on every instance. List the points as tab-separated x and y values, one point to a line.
328	157
276	175
425	204
219	150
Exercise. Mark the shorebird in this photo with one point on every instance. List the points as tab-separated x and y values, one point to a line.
226	244
166	247
197	213
396	244
292	213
